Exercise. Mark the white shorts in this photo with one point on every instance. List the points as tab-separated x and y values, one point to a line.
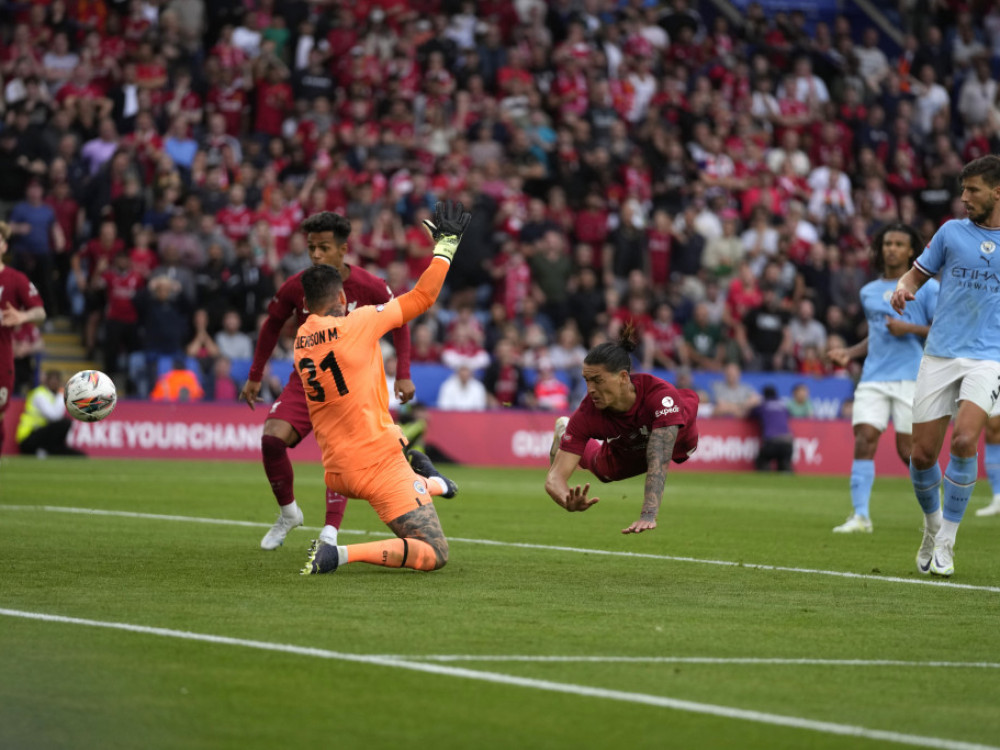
942	383
875	403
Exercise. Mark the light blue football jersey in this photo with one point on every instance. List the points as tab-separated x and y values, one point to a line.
892	358
968	310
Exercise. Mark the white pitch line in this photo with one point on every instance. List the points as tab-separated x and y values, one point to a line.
704	660
528	545
676	704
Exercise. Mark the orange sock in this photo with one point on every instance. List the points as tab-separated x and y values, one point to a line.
394	553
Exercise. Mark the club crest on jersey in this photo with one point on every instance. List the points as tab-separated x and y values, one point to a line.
351	306
379	308
887	295
420	487
987	247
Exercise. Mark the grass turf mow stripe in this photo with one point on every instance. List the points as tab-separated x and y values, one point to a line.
535	684
524	545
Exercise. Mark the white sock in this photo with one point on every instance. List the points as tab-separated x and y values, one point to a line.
291	510
947	532
329	535
440	483
932	521
342	555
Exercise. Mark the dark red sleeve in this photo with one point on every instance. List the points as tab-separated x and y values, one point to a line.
401	340
578	432
665	404
29	295
279	310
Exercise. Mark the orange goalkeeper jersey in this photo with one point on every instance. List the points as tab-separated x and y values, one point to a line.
340	363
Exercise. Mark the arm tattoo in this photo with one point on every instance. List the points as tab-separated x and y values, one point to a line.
659	451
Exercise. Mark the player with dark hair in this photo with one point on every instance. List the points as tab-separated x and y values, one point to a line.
892	352
339	362
960	371
19	303
627	424
288	421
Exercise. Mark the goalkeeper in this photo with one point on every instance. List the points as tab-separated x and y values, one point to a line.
340	362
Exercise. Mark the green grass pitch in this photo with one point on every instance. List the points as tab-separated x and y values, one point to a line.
740	622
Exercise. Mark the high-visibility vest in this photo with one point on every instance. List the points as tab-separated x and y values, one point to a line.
31	418
178	385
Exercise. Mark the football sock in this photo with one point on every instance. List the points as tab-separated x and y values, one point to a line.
391	553
947	532
993	467
927	487
862	479
278	468
328	535
336	504
290	510
959	482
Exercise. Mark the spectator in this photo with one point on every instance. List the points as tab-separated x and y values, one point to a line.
704	340
504	379
223	387
804	330
763	334
551	393
776	440
800	406
43	427
233	344
36	237
178	384
731	396
461	391
120	285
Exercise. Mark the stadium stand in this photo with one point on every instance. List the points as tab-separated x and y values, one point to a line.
618	157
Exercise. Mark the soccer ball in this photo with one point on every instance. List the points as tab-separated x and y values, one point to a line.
90	396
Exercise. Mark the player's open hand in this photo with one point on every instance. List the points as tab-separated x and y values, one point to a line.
251	393
899	299
576	499
637	527
449	224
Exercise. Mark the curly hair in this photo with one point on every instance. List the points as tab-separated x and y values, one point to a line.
916	244
328	221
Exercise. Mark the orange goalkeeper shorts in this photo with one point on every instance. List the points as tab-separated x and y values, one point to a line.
391	487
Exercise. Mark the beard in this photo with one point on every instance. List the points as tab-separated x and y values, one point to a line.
980	216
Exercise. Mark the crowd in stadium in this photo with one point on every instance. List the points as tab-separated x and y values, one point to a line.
716	183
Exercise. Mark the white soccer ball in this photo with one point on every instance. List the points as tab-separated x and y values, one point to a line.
90	396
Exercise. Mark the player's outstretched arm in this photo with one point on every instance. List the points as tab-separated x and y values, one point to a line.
906	288
659	451
573	499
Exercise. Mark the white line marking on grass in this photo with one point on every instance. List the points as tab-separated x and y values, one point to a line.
675	704
709	660
528	545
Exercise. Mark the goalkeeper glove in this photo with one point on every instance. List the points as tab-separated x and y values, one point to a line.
450	222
